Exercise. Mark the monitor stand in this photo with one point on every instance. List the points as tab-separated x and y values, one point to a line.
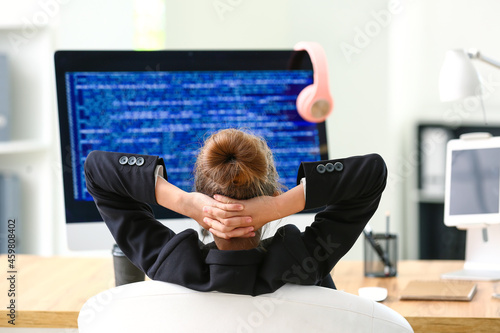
482	255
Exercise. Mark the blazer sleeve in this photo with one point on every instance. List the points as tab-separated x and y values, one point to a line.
122	185
351	190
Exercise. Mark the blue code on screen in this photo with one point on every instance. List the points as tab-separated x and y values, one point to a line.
169	114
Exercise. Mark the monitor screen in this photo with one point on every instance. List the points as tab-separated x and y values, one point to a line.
473	182
166	103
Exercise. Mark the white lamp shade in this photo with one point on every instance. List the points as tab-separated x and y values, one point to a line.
458	78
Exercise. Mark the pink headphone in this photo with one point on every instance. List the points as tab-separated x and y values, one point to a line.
315	103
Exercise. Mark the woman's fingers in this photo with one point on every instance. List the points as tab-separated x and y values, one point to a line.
226	226
223	199
228	204
222	231
230	219
237	232
218	212
229	207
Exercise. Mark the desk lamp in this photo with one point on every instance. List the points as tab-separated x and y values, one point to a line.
459	79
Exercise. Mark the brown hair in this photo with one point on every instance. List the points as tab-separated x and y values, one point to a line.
236	164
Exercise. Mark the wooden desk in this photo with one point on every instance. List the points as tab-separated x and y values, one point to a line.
482	314
51	291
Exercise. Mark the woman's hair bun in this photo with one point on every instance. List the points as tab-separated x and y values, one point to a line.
235	158
236	164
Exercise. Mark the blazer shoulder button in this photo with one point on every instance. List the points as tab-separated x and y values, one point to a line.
338	166
132	160
320	168
123	160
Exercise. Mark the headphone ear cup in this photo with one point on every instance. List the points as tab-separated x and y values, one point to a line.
314	102
304	104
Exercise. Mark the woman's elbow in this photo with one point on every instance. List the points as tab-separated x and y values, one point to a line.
378	172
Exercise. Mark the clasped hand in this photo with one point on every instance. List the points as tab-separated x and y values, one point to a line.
228	218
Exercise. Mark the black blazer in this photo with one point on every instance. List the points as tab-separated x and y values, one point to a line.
350	189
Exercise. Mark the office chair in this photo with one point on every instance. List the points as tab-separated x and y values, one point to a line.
154	306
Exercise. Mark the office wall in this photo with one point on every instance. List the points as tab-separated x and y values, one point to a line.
93	24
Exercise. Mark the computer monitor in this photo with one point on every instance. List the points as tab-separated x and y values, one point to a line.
472	202
166	103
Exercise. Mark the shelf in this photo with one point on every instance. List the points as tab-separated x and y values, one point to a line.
22	147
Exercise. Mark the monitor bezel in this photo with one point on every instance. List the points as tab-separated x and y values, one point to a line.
125	61
465	221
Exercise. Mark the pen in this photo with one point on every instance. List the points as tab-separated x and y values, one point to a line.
378	249
387	222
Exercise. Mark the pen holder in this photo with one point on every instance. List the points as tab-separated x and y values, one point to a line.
381	255
125	270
